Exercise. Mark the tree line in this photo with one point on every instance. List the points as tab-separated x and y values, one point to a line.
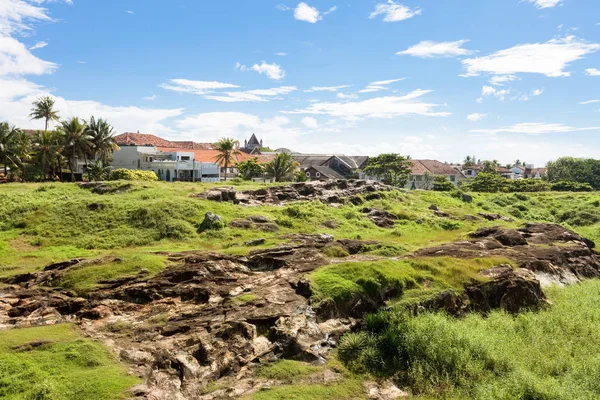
43	155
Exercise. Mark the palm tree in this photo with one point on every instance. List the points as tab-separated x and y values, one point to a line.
282	167
43	108
102	138
228	149
77	143
12	149
47	148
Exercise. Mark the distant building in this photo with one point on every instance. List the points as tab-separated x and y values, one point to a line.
423	172
315	166
253	145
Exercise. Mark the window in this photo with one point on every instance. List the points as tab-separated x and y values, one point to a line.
419	178
452	178
308	174
185	158
318	174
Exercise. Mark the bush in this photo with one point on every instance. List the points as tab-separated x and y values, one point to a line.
450	225
527	185
335	252
487	183
442	184
578	217
285	222
566	186
123	174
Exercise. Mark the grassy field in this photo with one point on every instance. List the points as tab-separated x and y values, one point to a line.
551	354
55	362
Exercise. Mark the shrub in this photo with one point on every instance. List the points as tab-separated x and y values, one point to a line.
450	225
286	222
566	186
578	217
442	184
335	252
527	185
133	175
487	183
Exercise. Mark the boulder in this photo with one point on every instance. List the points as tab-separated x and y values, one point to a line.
211	222
467	198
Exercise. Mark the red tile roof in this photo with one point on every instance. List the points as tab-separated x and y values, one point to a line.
210	156
143	139
434	167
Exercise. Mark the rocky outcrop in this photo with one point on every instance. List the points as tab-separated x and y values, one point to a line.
331	192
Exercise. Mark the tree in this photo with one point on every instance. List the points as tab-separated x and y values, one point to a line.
48	150
428	179
469	161
487	183
77	142
582	170
490	167
102	138
441	183
392	169
43	108
11	149
228	149
282	168
250	169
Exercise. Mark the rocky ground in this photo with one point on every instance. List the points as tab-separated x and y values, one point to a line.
212	317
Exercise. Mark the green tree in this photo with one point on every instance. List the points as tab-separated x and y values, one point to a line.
11	149
43	108
490	167
282	168
229	150
487	182
469	161
582	170
47	148
441	183
77	142
102	138
250	169
392	169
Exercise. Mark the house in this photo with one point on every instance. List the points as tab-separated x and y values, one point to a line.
423	172
340	166
534	173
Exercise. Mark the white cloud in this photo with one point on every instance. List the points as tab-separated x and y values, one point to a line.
17	95
39	45
150	98
281	54
550	58
593	71
129	11
499	80
283	7
590	102
195	87
256	95
537	92
490	91
304	12
545	3
310	122
15	15
429	49
534	128
379	85
379	107
326	88
394	12
476	117
81	62
16	59
349	96
273	71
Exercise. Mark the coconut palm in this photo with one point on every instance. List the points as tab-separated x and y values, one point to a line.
47	148
11	149
102	138
283	167
229	149
43	108
77	142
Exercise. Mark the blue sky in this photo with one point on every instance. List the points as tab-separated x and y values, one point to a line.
498	79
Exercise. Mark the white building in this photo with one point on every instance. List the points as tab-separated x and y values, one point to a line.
170	166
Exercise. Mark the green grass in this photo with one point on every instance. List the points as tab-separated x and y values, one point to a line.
551	354
85	279
65	367
286	370
348	389
413	278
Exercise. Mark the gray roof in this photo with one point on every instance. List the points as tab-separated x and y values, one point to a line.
328	172
306	160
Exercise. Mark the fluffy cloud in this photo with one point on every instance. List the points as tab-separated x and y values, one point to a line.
16	59
310	122
16	14
490	91
195	87
545	3
500	80
476	117
304	12
273	71
593	71
326	88
349	96
18	94
535	128
379	107
550	58
429	49
394	12
256	95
